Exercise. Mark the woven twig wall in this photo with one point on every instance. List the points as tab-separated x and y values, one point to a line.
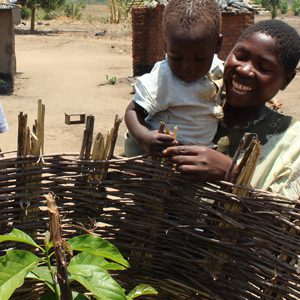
178	236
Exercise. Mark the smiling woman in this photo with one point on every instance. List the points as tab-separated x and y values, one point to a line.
261	63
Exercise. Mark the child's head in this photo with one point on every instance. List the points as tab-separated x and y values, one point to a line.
192	36
262	62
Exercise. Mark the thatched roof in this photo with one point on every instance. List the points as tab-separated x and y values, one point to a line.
235	6
7	4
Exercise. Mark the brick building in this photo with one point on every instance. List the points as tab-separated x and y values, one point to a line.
7	48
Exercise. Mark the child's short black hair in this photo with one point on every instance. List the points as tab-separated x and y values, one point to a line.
287	40
190	14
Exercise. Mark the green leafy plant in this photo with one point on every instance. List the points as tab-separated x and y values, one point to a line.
296	7
272	5
105	20
89	267
25	13
119	9
92	19
51	15
2	82
283	6
74	9
35	5
111	80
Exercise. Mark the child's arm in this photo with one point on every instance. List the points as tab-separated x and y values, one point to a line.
150	141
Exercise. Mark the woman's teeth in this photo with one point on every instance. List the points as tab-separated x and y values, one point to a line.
240	88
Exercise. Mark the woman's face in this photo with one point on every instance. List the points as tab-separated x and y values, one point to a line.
253	74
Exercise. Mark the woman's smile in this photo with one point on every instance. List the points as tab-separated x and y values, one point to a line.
240	88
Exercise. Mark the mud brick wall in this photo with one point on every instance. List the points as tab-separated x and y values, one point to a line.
233	24
148	41
147	38
7	50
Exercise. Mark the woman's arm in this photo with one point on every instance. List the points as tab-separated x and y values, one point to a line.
150	141
199	162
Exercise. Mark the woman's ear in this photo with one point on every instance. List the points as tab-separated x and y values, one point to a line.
289	77
166	55
219	43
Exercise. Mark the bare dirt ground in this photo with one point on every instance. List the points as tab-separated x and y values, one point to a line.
67	69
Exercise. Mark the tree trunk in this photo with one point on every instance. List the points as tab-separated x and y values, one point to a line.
32	19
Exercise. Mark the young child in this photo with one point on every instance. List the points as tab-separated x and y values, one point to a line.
182	90
262	62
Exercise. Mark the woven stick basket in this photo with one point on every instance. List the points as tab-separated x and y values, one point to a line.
190	241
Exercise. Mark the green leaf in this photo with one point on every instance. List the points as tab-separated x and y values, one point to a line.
97	281
17	235
14	266
49	295
97	246
141	290
48	244
78	296
91	259
42	274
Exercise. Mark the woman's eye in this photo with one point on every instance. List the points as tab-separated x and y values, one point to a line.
264	69
199	59
240	56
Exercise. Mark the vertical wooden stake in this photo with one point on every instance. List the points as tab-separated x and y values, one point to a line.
87	140
114	136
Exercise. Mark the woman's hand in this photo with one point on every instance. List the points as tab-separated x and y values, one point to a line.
199	162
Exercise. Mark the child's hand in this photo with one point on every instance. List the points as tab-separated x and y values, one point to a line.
154	142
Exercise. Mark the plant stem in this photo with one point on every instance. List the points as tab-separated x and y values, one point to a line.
55	285
59	249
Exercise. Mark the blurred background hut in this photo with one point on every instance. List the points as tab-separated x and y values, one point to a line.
9	16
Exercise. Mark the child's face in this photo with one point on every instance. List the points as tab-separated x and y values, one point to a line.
253	74
191	58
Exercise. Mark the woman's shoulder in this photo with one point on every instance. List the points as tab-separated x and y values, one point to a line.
269	125
274	121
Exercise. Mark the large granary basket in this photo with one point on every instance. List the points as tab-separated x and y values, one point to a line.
183	238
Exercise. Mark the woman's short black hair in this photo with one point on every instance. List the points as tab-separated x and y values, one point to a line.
190	14
287	40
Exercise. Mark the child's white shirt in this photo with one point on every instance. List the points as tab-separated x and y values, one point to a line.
192	107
